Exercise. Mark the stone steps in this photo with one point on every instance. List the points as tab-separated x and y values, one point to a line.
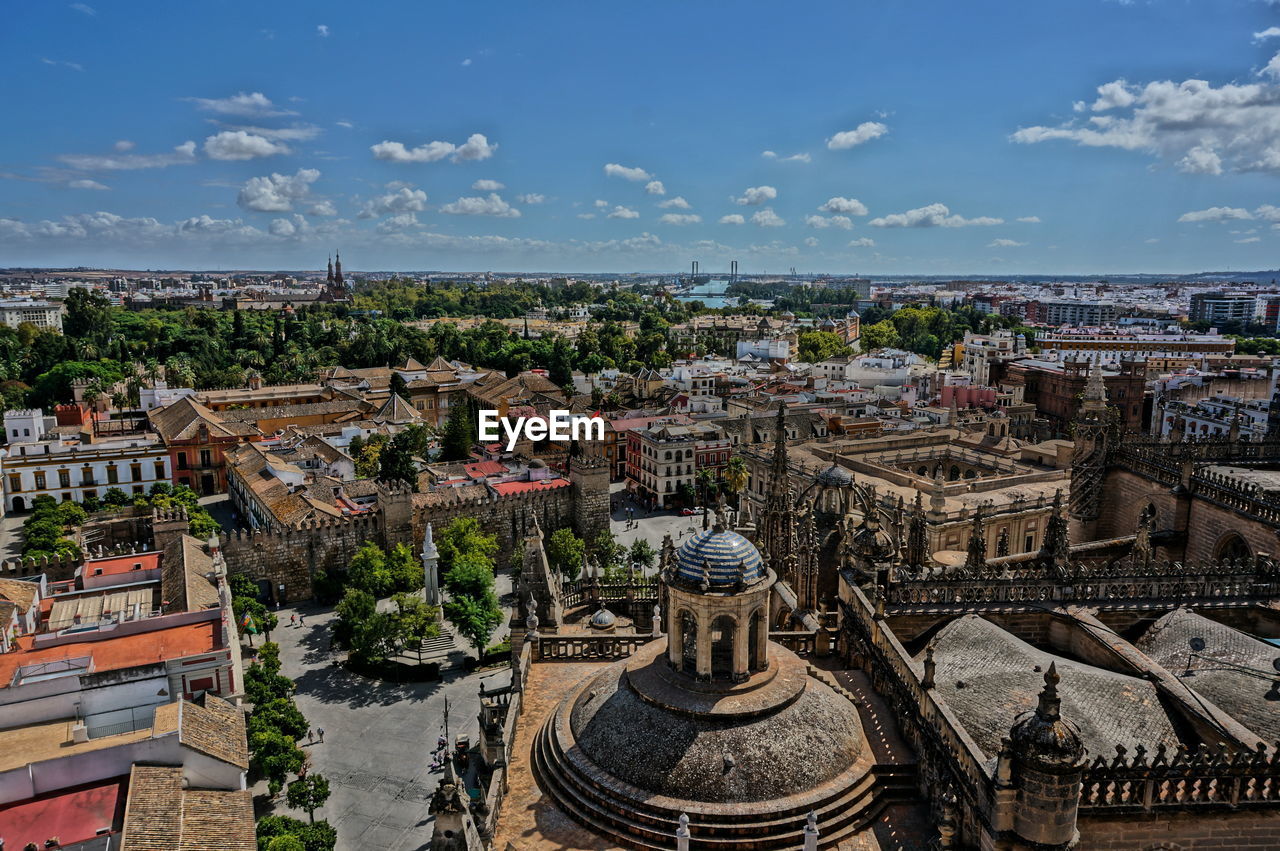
643	825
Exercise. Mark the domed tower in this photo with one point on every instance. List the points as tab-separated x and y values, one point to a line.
718	606
1048	759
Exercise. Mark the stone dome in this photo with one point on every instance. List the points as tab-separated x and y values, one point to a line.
603	619
1042	734
725	555
835	476
537	464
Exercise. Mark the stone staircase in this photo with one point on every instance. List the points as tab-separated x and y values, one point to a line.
649	825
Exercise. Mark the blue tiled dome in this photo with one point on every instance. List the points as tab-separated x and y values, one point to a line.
722	551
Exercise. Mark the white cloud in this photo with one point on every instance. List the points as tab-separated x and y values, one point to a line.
85	9
252	104
294	133
532	198
346	124
466	63
86	184
930	216
822	222
322	208
794	158
635	175
1152	241
863	242
323	30
600	203
1216	214
1005	243
680	219
849	206
110	229
74	66
655	187
398	223
492	205
1248	239
767	218
864	132
183	154
754	196
676	203
239	145
586	215
123	145
1197	126
811	241
1030	220
1269	32
277	193
485	185
1268	213
282	228
620	212
733	219
477	147
401	199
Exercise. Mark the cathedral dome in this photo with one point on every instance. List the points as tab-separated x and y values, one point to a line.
835	476
725	555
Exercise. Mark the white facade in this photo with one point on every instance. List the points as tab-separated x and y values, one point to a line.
42	314
70	470
27	426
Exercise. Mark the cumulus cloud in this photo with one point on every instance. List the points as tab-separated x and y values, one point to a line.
733	219
931	216
586	215
398	223
1269	32
680	219
183	154
1198	127
532	198
794	158
621	212
276	193
635	175
86	184
322	208
600	203
864	132
477	147
251	104
124	145
863	242
401	199
655	187
822	222
676	203
848	206
1005	243
282	228
754	196
322	30
1216	214
811	241
239	145
491	205
485	185
767	218
293	133
109	228
1030	220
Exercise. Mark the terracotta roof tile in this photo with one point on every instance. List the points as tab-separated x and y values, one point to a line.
162	816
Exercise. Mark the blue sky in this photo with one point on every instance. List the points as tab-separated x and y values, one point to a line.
1068	136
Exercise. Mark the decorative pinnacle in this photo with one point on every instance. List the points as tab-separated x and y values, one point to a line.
1050	705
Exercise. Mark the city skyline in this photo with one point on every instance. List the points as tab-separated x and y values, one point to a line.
1066	138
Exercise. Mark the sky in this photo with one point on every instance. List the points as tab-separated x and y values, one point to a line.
852	137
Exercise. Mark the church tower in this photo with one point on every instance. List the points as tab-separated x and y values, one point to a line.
329	277
1094	431
337	270
778	521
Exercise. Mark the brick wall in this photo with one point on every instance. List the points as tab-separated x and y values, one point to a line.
1171	831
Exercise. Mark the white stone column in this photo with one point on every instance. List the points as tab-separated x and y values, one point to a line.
430	569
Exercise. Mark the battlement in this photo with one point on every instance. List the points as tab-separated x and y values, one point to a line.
1202	777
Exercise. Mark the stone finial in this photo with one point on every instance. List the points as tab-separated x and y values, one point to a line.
682	833
811	831
1050	706
930	668
531	616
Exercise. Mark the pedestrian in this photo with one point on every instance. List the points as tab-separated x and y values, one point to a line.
301	622
293	620
311	737
320	733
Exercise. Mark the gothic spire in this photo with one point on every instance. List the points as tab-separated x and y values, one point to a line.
977	556
337	268
917	552
329	277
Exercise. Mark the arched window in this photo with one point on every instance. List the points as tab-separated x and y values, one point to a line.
753	641
722	635
688	643
1232	547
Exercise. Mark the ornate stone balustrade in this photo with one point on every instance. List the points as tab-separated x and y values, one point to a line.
1182	780
800	642
559	648
1237	495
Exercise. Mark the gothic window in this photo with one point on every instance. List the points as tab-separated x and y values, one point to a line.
722	635
1232	547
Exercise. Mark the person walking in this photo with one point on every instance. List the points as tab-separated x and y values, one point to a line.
320	733
293	620
311	737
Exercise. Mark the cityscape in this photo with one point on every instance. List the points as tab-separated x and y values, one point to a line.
680	426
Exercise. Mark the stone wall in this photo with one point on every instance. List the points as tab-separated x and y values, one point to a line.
1167	831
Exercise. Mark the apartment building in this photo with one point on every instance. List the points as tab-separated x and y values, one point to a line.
663	459
1222	307
42	314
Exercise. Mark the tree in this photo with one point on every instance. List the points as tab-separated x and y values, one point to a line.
881	335
459	433
817	346
368	459
643	554
565	551
115	498
705	479
464	535
287	842
276	756
319	836
414	619
475	618
397	461
470	575
606	553
308	793
369	572
735	474
399	387
280	714
405	568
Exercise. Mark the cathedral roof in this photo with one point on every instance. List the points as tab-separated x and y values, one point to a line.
835	476
725	555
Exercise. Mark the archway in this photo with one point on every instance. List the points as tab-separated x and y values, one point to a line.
688	643
953	474
1232	547
722	636
19	504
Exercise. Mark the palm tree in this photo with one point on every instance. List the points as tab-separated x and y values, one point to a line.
735	475
706	480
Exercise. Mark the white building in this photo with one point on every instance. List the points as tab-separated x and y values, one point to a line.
42	314
68	469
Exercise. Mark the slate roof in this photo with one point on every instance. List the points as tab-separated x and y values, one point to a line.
1239	693
1001	681
163	816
